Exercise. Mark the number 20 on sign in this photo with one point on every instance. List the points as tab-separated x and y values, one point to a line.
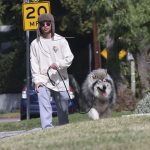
31	11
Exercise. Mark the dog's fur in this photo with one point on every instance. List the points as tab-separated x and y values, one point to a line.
98	94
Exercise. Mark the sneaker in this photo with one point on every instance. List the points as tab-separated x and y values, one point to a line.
48	127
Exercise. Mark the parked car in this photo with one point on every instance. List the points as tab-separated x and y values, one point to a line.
34	105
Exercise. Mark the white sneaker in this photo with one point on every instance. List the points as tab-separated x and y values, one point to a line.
49	127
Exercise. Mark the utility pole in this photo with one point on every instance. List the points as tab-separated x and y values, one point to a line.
96	46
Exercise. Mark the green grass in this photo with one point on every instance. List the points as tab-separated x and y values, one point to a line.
35	123
116	133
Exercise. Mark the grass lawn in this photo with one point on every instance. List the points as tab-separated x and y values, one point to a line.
115	133
35	123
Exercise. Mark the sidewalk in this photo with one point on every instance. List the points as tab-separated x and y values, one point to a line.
10	134
9	118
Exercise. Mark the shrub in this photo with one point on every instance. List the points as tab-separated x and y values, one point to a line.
143	105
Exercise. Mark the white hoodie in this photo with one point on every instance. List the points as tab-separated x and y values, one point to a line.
43	53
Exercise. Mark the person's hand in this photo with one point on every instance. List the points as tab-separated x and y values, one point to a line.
54	66
37	85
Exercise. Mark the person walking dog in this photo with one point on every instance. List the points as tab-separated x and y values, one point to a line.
50	56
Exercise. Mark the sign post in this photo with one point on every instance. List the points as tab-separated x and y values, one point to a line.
130	58
30	12
27	70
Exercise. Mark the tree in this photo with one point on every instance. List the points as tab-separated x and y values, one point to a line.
122	24
12	62
2	8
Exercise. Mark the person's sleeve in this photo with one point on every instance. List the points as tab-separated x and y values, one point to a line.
35	71
67	55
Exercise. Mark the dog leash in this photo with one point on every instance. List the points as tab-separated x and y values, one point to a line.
53	83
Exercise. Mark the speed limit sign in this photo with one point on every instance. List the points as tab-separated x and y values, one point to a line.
31	11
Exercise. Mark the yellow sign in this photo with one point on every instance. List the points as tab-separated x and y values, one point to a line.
104	53
122	53
31	11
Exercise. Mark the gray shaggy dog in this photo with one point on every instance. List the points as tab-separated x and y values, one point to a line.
98	94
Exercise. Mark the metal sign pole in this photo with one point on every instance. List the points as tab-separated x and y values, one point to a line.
28	70
130	58
28	73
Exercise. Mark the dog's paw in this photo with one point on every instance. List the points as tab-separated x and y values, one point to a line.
93	114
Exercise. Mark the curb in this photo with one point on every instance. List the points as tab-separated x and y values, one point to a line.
9	117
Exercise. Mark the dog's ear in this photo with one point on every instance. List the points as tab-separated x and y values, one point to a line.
98	74
101	73
92	77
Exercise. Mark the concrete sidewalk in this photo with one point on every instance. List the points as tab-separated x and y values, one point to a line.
7	119
10	134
